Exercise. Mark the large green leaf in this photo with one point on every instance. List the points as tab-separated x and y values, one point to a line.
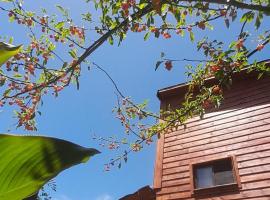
7	51
28	162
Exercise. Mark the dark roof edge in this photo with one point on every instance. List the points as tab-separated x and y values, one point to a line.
145	192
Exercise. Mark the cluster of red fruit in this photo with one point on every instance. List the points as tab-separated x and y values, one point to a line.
239	44
215	68
32	90
13	86
41	49
25	116
137	28
201	25
113	145
126	5
27	21
166	35
136	147
58	88
57	38
77	31
43	20
208	103
46	55
148	141
29	66
27	111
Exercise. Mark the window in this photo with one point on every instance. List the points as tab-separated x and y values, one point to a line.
210	175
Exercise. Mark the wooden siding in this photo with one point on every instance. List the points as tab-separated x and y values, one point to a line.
241	127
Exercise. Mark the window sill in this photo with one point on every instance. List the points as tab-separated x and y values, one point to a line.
216	190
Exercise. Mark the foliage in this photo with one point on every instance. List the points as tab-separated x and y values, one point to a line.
27	77
7	51
28	162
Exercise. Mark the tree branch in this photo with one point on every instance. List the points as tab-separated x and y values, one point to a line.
255	50
93	47
235	4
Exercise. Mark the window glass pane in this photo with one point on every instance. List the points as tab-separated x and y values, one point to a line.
225	177
204	177
223	172
223	165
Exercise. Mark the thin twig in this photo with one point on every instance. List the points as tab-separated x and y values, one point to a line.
121	94
242	30
256	50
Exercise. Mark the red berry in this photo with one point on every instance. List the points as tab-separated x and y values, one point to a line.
216	90
215	68
201	25
240	44
223	12
125	6
179	31
168	65
167	35
260	47
10	14
207	104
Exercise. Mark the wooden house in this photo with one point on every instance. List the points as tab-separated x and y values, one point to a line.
144	193
225	155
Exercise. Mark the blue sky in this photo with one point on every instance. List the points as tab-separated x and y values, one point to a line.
76	115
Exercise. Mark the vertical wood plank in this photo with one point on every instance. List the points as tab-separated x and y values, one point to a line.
159	163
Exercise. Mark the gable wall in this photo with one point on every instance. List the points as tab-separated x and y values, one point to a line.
241	128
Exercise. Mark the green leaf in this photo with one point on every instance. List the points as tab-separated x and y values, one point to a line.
28	162
258	20
249	16
162	54
7	92
73	53
146	36
17	75
158	64
62	10
10	40
60	25
77	83
191	36
110	39
7	51
227	23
